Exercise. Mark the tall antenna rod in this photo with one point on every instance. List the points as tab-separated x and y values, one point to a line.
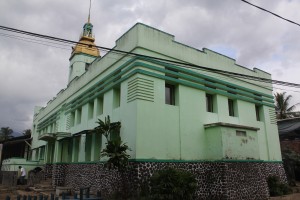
90	11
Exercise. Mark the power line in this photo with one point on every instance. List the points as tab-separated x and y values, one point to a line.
271	13
30	40
182	64
286	89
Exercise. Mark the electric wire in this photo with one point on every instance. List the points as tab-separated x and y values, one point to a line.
286	89
177	63
33	39
30	40
271	13
123	52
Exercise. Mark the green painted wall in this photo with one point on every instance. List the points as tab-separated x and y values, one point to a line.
78	64
224	143
12	164
132	90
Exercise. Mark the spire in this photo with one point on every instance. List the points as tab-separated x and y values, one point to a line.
87	38
90	12
88	27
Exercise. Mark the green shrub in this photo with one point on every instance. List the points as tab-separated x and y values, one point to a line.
172	184
276	188
115	149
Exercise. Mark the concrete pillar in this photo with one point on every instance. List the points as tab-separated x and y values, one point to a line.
81	154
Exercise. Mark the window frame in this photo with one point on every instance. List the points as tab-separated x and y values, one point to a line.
117	97
231	110
99	104
257	112
91	106
170	95
78	115
209	102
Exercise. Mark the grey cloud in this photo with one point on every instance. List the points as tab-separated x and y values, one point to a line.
32	74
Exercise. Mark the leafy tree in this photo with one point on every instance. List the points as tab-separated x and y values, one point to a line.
27	132
282	106
6	133
115	150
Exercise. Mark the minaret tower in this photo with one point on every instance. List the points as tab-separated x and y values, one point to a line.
85	52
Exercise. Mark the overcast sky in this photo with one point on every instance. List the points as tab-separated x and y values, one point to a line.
32	74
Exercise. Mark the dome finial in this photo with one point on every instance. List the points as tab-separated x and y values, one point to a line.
90	12
86	43
88	27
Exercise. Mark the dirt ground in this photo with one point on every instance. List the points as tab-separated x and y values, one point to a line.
295	196
13	194
4	194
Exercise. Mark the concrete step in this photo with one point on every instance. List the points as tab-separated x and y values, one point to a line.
42	186
38	190
47	181
296	189
34	189
92	192
26	193
59	190
4	190
48	193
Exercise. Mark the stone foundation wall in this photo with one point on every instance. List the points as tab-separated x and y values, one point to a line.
248	180
35	177
216	180
48	171
9	178
59	173
293	145
95	176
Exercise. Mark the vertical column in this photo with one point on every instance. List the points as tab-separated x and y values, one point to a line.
93	147
75	149
76	117
57	151
81	156
47	150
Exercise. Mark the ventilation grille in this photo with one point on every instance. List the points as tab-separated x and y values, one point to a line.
272	115
68	124
140	88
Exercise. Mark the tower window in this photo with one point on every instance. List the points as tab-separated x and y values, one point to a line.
86	66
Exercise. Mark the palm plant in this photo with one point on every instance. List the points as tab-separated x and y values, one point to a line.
107	128
6	133
282	106
115	150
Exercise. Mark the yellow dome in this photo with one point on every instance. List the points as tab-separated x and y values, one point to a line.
87	46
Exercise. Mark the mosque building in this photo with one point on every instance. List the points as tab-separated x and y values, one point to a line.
178	106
